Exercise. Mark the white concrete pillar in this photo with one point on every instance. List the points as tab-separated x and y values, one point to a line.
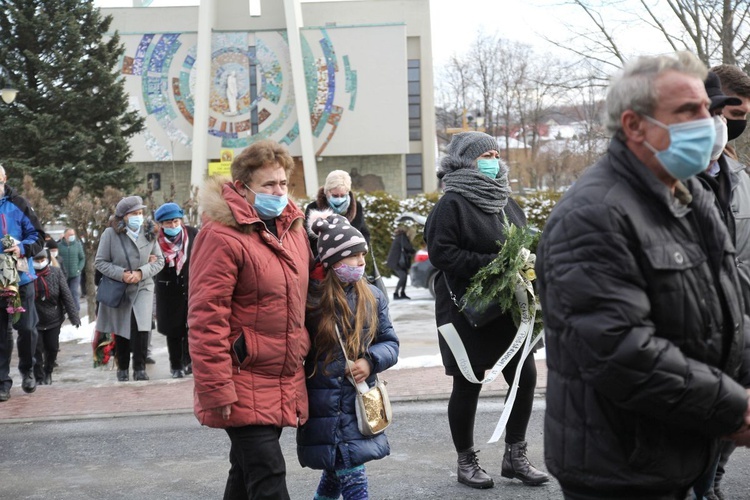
293	12
201	97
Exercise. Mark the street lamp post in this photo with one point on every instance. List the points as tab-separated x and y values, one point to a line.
7	93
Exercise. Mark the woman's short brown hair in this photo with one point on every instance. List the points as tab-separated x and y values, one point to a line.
257	155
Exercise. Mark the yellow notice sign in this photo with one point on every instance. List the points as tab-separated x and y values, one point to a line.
222	167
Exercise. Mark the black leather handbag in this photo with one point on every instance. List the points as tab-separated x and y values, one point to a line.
111	292
474	317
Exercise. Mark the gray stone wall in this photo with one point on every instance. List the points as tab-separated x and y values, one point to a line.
177	174
369	173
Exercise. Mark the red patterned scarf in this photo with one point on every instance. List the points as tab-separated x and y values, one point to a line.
174	249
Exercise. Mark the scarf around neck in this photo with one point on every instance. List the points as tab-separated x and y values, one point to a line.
174	249
489	195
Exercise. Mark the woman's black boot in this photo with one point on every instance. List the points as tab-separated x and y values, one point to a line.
469	471
517	466
122	376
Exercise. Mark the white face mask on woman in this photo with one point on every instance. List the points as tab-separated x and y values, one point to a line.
41	264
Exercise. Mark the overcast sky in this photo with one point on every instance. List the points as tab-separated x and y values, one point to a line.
455	23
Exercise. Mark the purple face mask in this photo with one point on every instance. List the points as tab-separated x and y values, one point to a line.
349	274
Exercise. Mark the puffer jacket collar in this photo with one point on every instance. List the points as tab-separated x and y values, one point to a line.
223	204
627	165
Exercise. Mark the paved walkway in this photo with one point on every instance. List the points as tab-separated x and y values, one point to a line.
80	391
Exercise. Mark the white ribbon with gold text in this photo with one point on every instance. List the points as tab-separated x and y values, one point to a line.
522	341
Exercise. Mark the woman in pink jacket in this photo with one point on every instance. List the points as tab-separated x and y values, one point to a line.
248	286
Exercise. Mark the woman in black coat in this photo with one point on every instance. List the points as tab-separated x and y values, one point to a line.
176	242
462	232
399	260
336	195
52	301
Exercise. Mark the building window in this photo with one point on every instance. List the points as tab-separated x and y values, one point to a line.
414	174
415	94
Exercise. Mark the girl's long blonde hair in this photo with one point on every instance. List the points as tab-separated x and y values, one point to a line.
329	304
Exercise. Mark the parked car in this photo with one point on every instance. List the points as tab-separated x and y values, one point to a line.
422	272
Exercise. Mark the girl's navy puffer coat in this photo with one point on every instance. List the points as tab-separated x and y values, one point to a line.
332	424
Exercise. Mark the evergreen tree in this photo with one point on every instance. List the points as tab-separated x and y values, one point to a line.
70	122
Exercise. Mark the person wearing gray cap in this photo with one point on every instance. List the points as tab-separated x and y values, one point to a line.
462	232
128	252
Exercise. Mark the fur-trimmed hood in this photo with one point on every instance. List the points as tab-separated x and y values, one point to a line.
221	203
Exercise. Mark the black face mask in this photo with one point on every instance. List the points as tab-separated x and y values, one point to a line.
735	128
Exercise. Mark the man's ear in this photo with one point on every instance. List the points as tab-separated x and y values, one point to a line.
633	126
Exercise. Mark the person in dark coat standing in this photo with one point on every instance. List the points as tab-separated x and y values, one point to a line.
646	333
462	232
53	301
399	260
175	240
336	195
340	299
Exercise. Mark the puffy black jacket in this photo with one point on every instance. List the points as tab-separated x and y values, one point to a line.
53	299
644	331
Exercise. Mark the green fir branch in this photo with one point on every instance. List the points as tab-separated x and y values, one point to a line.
496	282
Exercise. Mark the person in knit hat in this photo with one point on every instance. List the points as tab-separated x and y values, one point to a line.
462	234
335	237
341	302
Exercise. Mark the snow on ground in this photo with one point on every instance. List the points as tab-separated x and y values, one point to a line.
413	320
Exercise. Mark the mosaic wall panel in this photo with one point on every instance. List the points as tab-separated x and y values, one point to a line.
251	92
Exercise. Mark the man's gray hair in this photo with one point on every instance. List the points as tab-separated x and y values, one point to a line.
633	87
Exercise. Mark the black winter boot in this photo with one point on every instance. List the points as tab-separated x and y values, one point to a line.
517	466
469	471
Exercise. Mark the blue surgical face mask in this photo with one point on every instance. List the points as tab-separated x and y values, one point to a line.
172	231
690	145
71	238
339	204
489	167
269	206
135	222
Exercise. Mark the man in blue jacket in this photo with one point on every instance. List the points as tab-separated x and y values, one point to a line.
18	220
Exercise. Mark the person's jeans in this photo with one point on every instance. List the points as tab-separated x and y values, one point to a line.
75	289
258	470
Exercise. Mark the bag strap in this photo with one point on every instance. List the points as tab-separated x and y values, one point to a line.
130	268
450	292
362	387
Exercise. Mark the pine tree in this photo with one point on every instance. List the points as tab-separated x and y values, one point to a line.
70	122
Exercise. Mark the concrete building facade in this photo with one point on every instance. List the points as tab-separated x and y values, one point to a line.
360	70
